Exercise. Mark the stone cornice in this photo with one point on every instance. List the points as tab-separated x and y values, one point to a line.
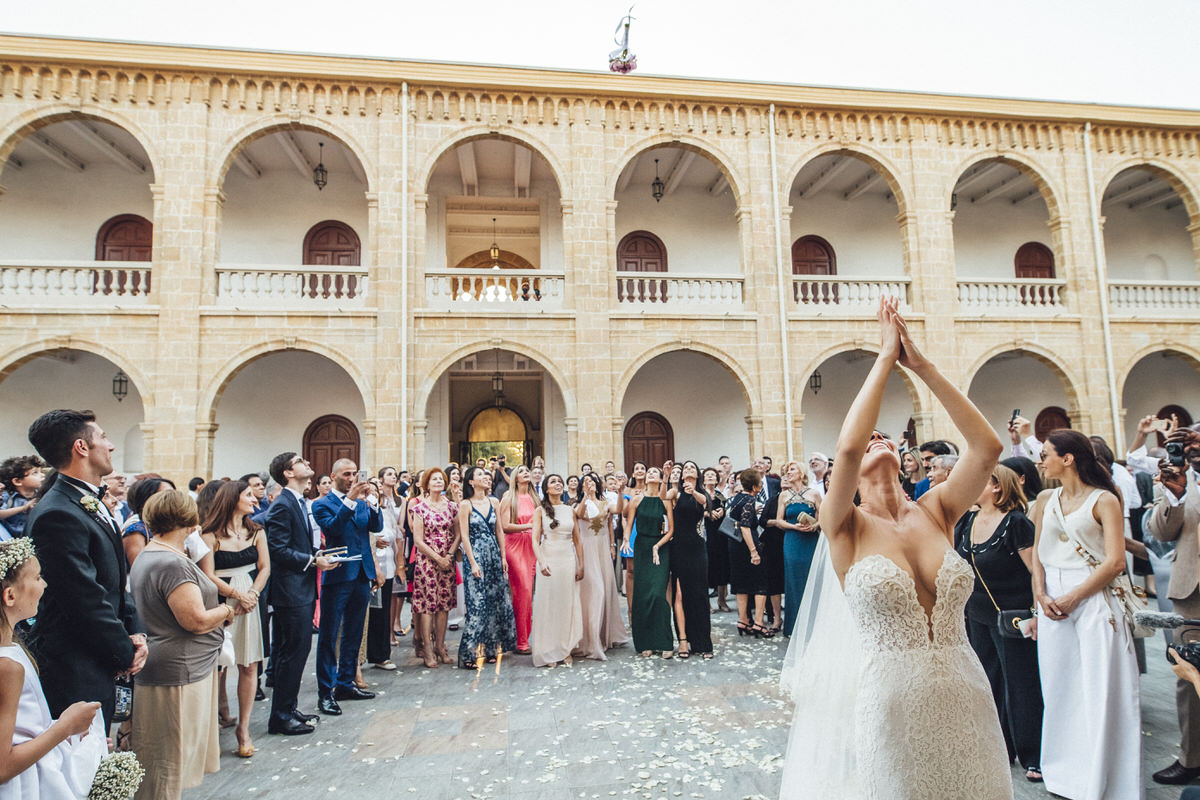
141	56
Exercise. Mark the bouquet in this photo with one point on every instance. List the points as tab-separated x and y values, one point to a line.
117	778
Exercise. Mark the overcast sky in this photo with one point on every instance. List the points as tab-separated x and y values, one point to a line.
1101	51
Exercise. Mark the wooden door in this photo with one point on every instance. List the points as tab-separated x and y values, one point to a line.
326	440
641	251
126	237
332	243
648	438
1034	261
1181	413
1050	418
812	255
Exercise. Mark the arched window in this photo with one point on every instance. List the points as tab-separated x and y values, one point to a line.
126	237
812	255
641	251
332	243
1034	260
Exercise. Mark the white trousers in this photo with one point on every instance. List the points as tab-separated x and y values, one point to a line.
1091	729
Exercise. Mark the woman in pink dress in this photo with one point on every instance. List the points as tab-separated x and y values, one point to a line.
435	538
602	624
516	513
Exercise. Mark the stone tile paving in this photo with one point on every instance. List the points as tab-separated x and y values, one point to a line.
628	727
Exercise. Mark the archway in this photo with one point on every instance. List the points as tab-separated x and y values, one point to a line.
253	425
68	378
64	180
691	400
1157	381
272	203
1021	380
840	377
495	393
1146	234
999	205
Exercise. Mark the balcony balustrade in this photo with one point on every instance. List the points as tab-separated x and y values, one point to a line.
493	290
675	292
309	286
1128	298
74	283
831	294
1013	295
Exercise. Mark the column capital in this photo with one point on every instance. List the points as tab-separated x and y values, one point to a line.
372	199
419	426
213	194
208	429
420	201
157	190
568	207
611	207
572	424
743	213
1059	223
1193	229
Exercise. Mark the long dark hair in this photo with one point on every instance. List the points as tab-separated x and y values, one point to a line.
547	506
632	480
1089	468
468	476
1025	468
143	490
220	513
596	480
699	477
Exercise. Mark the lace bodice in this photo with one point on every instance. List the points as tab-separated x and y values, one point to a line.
883	601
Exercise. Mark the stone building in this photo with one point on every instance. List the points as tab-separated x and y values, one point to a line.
228	254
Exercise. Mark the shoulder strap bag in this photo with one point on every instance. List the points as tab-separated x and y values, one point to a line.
1008	621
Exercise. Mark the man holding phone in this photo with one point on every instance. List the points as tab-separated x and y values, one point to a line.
347	520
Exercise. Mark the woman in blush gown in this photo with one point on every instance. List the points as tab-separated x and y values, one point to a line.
922	721
516	516
557	612
602	624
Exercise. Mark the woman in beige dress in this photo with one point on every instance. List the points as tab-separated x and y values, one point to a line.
602	624
557	613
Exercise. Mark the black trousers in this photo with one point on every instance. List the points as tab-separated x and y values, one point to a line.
689	566
1012	670
379	633
292	637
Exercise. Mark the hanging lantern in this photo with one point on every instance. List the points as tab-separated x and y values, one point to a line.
320	174
494	251
120	385
656	188
814	382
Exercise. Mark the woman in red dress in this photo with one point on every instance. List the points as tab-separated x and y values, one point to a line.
516	513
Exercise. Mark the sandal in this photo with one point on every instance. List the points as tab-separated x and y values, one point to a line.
684	653
706	656
745	628
668	654
760	632
1033	774
227	722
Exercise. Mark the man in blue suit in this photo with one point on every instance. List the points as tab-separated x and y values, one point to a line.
347	520
293	591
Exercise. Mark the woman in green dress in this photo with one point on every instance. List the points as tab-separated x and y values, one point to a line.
650	615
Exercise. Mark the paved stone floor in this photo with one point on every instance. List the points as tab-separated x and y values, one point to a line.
628	727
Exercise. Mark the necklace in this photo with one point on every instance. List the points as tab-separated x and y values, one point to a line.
170	547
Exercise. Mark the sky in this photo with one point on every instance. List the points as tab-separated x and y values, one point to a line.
1099	51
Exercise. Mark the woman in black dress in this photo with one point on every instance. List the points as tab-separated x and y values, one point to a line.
689	564
718	551
746	573
997	540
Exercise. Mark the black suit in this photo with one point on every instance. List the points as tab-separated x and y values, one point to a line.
293	593
86	616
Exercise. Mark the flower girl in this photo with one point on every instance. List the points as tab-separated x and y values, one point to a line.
48	759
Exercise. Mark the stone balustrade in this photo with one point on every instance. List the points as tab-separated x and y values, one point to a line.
1015	294
672	291
1136	298
315	286
835	294
56	283
493	289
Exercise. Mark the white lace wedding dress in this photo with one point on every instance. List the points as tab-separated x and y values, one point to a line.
926	726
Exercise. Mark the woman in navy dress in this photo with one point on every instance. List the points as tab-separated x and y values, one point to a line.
489	627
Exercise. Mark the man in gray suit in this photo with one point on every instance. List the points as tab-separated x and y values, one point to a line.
1175	517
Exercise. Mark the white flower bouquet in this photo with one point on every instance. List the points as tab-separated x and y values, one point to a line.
117	778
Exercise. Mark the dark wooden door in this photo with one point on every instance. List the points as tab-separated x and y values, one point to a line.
327	439
1181	413
332	243
648	438
641	251
1034	261
126	237
1050	418
812	255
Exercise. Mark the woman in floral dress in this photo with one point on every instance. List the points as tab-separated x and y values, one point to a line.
489	625
435	537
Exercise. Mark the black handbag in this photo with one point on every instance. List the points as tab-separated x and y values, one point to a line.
1007	621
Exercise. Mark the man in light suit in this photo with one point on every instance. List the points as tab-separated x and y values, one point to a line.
293	591
347	520
87	630
1175	516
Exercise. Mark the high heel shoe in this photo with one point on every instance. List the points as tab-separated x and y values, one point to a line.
428	654
744	629
759	631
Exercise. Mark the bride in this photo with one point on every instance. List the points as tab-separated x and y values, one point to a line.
891	701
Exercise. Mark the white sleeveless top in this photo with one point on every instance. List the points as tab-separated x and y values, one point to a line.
1055	547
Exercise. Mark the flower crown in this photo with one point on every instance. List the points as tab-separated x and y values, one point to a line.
13	554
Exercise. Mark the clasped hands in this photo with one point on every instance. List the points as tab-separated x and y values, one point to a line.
140	651
896	343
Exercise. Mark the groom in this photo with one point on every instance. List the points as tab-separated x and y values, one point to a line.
87	630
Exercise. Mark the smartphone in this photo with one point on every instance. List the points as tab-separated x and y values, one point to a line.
363	475
1160	425
1175	454
1016	413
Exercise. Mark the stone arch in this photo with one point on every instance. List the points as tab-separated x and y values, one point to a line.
1026	166
815	362
474	132
232	145
14	359
565	387
1186	352
25	124
697	145
753	407
1169	173
877	160
210	397
1055	363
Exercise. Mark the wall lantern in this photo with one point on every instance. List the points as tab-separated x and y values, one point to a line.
120	385
320	174
814	382
656	188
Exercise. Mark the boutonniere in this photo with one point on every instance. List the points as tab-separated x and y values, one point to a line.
90	503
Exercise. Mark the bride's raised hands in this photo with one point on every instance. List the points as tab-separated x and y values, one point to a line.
890	347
